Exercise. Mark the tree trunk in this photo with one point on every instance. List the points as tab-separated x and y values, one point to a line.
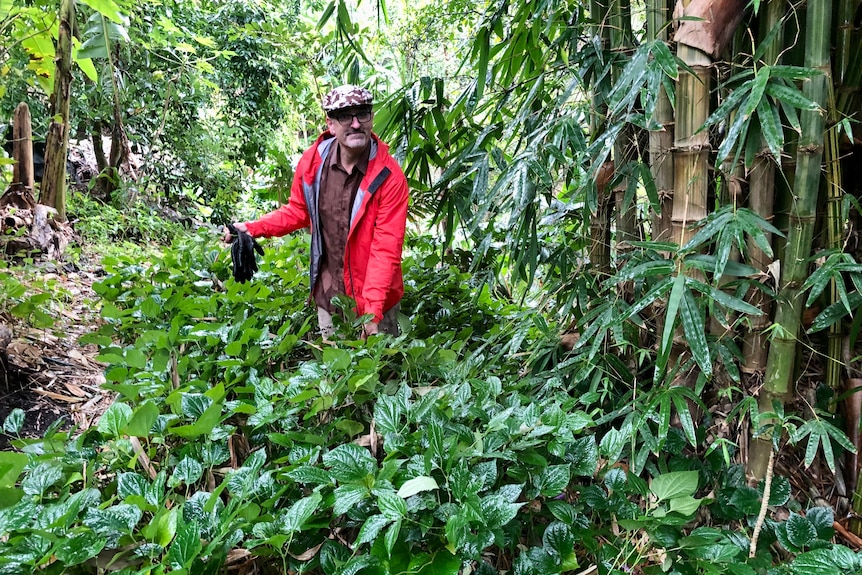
22	151
53	191
778	383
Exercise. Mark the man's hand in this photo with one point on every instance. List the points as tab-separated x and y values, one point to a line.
369	329
226	238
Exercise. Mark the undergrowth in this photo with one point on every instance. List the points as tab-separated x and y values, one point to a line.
237	437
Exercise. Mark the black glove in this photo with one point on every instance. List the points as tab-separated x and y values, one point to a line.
242	254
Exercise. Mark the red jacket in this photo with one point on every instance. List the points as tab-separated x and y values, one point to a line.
372	258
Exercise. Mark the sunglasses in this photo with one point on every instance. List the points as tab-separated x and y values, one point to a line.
346	118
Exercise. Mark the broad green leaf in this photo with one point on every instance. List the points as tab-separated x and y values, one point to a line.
11	466
143	419
558	539
674	484
350	463
337	359
611	445
817	562
443	563
391	505
780	491
390	538
308	474
203	426
115	419
186	546
131	484
823	520
188	471
800	531
357	564
371	529
417	485
498	511
346	496
163	527
76	549
685	505
300	512
107	8
552	480
41	478
14	421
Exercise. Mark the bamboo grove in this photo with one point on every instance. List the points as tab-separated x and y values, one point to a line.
676	181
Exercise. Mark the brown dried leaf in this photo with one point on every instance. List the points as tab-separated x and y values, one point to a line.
306	555
58	396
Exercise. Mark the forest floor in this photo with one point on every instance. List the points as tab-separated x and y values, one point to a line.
51	375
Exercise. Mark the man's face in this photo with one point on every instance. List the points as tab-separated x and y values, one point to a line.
351	126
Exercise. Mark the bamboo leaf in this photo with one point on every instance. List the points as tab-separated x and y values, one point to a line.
484	44
794	72
737	131
733	303
645	270
715	223
792	116
676	297
695	332
835	312
792	96
770	128
758	87
729	105
649	297
665	58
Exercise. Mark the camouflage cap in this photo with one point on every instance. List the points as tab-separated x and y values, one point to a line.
345	97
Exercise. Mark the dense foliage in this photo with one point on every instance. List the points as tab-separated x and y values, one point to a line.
232	437
585	330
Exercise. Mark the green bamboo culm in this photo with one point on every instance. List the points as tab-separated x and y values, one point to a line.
600	226
803	212
762	200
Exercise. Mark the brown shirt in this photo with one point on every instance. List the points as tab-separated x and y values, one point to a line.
335	202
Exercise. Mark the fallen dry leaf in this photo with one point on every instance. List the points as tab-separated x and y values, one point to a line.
58	396
306	555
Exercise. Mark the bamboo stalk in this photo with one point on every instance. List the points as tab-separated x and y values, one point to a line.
834	240
778	381
600	221
661	140
691	148
762	201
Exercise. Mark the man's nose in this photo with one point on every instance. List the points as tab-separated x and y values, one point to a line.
354	121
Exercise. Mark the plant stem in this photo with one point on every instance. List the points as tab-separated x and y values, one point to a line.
761	517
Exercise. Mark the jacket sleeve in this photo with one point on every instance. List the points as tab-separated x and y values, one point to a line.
384	258
288	218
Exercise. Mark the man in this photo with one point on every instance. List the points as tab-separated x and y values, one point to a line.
353	196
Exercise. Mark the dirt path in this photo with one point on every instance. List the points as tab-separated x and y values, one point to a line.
51	375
